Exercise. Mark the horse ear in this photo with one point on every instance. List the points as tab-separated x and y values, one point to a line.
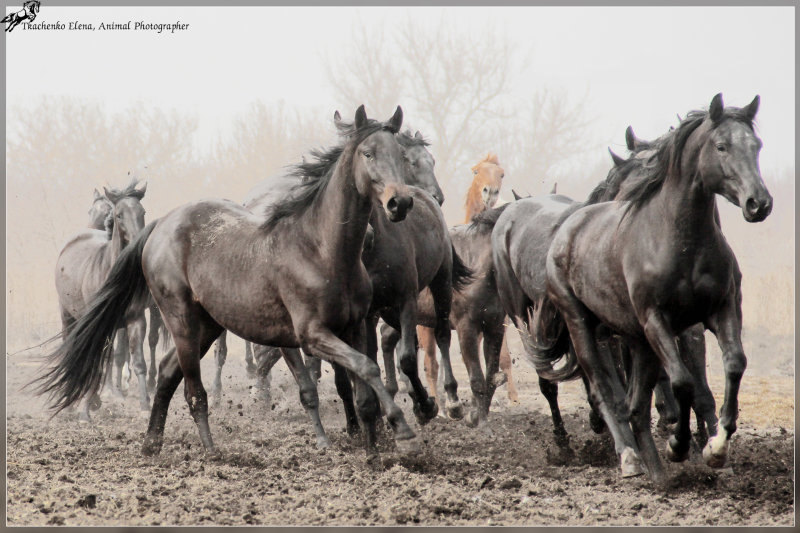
492	158
617	159
716	108
396	122
337	119
361	117
554	189
141	190
630	140
418	135
97	195
516	196
752	108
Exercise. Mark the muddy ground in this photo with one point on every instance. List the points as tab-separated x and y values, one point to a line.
270	473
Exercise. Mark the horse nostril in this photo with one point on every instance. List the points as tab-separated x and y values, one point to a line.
751	206
391	205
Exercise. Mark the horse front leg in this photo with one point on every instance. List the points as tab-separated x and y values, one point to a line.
664	343
320	341
727	326
265	357
120	357
469	343
642	377
427	341
505	366
136	333
442	292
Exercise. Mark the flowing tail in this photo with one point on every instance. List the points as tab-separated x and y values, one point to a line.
462	274
79	365
546	340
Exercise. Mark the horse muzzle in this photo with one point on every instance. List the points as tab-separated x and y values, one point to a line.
397	207
756	209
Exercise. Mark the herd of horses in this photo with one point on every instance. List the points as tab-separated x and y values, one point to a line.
616	290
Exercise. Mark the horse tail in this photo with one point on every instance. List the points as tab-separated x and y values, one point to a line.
546	341
462	274
78	366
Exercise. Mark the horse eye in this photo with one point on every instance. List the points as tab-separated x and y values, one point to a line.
475	172
503	175
368	155
721	148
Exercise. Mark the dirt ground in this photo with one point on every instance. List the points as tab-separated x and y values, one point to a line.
269	472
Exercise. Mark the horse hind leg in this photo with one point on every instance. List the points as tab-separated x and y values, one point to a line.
605	387
427	341
425	408
505	366
643	376
442	292
389	339
220	356
468	341
692	345
152	341
135	331
308	393
169	377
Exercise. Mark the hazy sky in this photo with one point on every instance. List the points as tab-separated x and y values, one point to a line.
640	66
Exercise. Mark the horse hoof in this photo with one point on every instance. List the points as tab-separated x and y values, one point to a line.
95	403
410	446
426	411
674	453
630	463
455	411
151	447
323	443
499	378
85	421
715	453
472	418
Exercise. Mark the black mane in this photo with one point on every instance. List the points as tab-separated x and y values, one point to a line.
668	150
408	139
315	174
486	220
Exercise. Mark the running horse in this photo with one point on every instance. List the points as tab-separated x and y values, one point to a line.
292	279
654	265
483	193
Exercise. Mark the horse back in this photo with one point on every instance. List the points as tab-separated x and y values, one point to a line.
81	269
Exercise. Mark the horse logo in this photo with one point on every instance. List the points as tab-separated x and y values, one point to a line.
28	12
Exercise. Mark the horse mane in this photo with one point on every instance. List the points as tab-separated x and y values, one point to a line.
486	220
408	139
315	173
669	152
108	224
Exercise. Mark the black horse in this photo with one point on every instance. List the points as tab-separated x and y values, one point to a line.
654	265
294	279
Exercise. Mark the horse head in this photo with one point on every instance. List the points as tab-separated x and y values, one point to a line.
419	164
378	163
728	150
486	182
128	210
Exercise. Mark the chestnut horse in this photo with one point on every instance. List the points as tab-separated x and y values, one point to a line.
482	195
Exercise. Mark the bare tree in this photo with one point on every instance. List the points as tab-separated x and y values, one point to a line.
457	91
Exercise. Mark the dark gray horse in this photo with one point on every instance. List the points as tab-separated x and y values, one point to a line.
83	266
651	267
294	279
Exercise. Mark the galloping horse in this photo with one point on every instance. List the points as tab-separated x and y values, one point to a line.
400	259
294	279
654	265
482	195
84	264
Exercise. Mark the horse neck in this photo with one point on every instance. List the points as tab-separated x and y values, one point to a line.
473	205
114	246
689	206
341	214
